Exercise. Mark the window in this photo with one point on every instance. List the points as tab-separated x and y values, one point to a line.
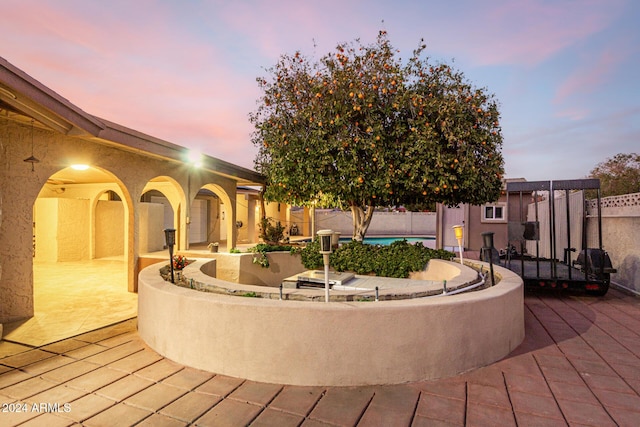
494	213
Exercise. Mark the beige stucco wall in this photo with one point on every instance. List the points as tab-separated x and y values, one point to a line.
20	187
620	226
337	343
62	229
46	241
302	219
239	268
382	223
242	214
109	229
623	247
73	230
151	227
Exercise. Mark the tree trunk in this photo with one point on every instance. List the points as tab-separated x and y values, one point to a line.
361	220
263	208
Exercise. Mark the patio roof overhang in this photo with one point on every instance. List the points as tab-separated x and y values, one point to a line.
23	96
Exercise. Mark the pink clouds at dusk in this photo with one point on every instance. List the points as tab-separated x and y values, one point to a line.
595	72
564	72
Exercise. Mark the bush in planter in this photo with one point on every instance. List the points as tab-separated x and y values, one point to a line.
396	260
310	255
271	233
261	249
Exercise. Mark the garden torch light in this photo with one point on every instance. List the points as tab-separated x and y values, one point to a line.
325	237
458	230
170	238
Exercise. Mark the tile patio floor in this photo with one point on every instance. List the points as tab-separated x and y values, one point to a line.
74	297
579	365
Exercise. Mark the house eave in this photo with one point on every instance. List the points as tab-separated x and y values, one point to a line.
28	97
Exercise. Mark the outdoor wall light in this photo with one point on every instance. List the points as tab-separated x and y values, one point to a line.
194	158
170	239
458	230
326	236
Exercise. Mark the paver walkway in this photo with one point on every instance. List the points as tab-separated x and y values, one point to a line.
579	365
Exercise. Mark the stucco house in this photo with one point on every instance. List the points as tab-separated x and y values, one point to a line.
78	187
477	219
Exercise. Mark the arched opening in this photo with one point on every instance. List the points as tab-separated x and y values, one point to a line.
214	218
207	210
81	229
159	208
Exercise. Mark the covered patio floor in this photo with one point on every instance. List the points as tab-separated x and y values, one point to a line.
71	298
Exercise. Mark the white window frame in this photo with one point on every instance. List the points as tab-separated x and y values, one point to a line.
502	219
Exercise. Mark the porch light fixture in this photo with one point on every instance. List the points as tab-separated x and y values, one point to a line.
194	158
326	236
170	239
458	230
32	159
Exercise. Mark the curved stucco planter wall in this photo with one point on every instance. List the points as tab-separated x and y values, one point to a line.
239	268
337	343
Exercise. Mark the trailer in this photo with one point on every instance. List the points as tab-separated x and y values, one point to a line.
555	218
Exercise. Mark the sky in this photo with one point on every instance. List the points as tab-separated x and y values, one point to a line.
564	72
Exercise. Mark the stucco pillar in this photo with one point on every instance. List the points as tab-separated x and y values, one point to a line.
439	236
232	231
132	243
16	249
287	217
306	222
251	220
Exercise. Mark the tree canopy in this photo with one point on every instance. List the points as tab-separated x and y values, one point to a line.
619	174
360	128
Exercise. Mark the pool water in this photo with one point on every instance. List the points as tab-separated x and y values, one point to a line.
426	241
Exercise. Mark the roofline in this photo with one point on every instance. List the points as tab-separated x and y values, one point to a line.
23	92
34	92
139	141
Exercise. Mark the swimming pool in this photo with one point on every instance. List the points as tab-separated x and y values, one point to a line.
427	241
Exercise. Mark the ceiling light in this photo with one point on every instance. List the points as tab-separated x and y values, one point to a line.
80	167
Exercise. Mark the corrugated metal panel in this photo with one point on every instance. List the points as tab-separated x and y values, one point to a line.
576	212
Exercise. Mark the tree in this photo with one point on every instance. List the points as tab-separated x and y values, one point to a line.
619	174
360	129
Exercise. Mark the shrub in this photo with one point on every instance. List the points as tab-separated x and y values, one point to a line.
260	252
310	255
396	260
271	233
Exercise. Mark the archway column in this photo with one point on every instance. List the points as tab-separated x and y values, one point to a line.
226	190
